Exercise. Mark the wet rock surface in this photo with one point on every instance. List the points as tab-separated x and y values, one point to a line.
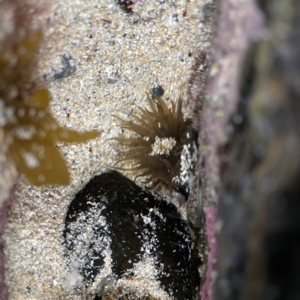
258	238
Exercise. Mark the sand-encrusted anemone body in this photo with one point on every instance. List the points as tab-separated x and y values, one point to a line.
156	153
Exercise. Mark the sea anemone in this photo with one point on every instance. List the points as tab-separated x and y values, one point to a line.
164	152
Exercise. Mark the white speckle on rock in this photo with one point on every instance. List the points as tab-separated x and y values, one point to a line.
73	278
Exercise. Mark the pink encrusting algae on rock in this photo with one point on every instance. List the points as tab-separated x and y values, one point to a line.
207	287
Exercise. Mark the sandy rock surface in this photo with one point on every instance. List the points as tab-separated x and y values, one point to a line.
96	60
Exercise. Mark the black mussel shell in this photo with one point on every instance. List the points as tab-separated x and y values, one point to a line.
113	219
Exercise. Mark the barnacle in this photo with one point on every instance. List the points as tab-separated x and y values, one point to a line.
163	152
27	126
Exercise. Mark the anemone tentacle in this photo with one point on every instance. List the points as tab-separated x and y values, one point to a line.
160	167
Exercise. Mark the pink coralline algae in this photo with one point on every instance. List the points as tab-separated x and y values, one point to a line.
207	287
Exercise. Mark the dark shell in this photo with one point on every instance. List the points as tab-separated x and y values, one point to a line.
126	5
158	91
113	213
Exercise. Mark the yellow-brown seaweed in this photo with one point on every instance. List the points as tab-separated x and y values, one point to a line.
29	129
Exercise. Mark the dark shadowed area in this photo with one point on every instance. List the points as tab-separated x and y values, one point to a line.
258	211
